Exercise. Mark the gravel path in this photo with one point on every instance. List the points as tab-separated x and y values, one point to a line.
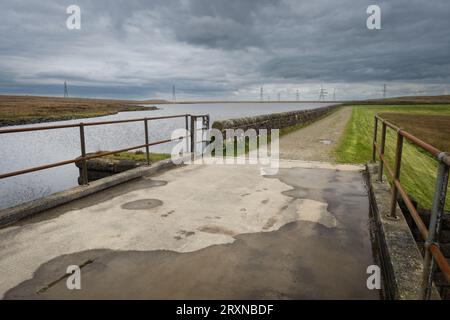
316	141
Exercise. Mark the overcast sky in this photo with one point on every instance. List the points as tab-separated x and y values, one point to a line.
225	49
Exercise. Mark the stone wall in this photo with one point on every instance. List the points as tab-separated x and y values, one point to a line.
274	120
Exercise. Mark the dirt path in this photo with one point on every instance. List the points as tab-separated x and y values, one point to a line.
317	141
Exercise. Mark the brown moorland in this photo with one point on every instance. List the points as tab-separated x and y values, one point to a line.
409	100
16	110
432	129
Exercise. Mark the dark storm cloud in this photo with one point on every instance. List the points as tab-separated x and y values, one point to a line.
222	47
229	24
411	46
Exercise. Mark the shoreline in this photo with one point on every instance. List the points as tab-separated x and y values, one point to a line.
23	110
20	122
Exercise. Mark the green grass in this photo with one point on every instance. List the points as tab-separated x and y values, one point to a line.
418	172
139	156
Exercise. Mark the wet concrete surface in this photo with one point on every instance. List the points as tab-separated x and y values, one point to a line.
303	234
254	266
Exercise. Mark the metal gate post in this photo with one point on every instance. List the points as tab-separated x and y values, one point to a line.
147	152
205	133
383	142
193	129
398	163
84	175
435	225
208	133
187	132
374	147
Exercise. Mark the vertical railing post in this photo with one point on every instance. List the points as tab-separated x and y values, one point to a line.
382	145
84	174
147	151
375	134
208	135
187	132
204	133
193	120
396	177
435	226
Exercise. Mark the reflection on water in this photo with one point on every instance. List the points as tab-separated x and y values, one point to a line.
29	149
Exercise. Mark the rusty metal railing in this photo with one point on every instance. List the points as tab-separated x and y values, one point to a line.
433	255
84	157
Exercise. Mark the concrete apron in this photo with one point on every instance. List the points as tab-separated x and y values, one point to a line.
201	232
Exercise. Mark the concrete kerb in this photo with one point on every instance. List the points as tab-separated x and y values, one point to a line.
16	213
400	258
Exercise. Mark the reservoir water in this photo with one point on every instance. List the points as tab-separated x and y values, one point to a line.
28	149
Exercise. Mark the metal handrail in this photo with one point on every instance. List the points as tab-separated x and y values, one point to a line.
84	157
433	255
96	123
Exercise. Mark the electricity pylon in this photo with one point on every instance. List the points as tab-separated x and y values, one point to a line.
323	93
174	97
66	90
384	91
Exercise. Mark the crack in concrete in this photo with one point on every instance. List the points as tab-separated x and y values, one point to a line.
53	283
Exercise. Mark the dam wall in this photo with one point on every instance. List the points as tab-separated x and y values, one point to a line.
275	120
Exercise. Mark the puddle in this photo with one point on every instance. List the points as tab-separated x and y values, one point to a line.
326	141
142	204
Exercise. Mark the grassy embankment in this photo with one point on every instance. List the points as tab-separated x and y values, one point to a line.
15	110
418	174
